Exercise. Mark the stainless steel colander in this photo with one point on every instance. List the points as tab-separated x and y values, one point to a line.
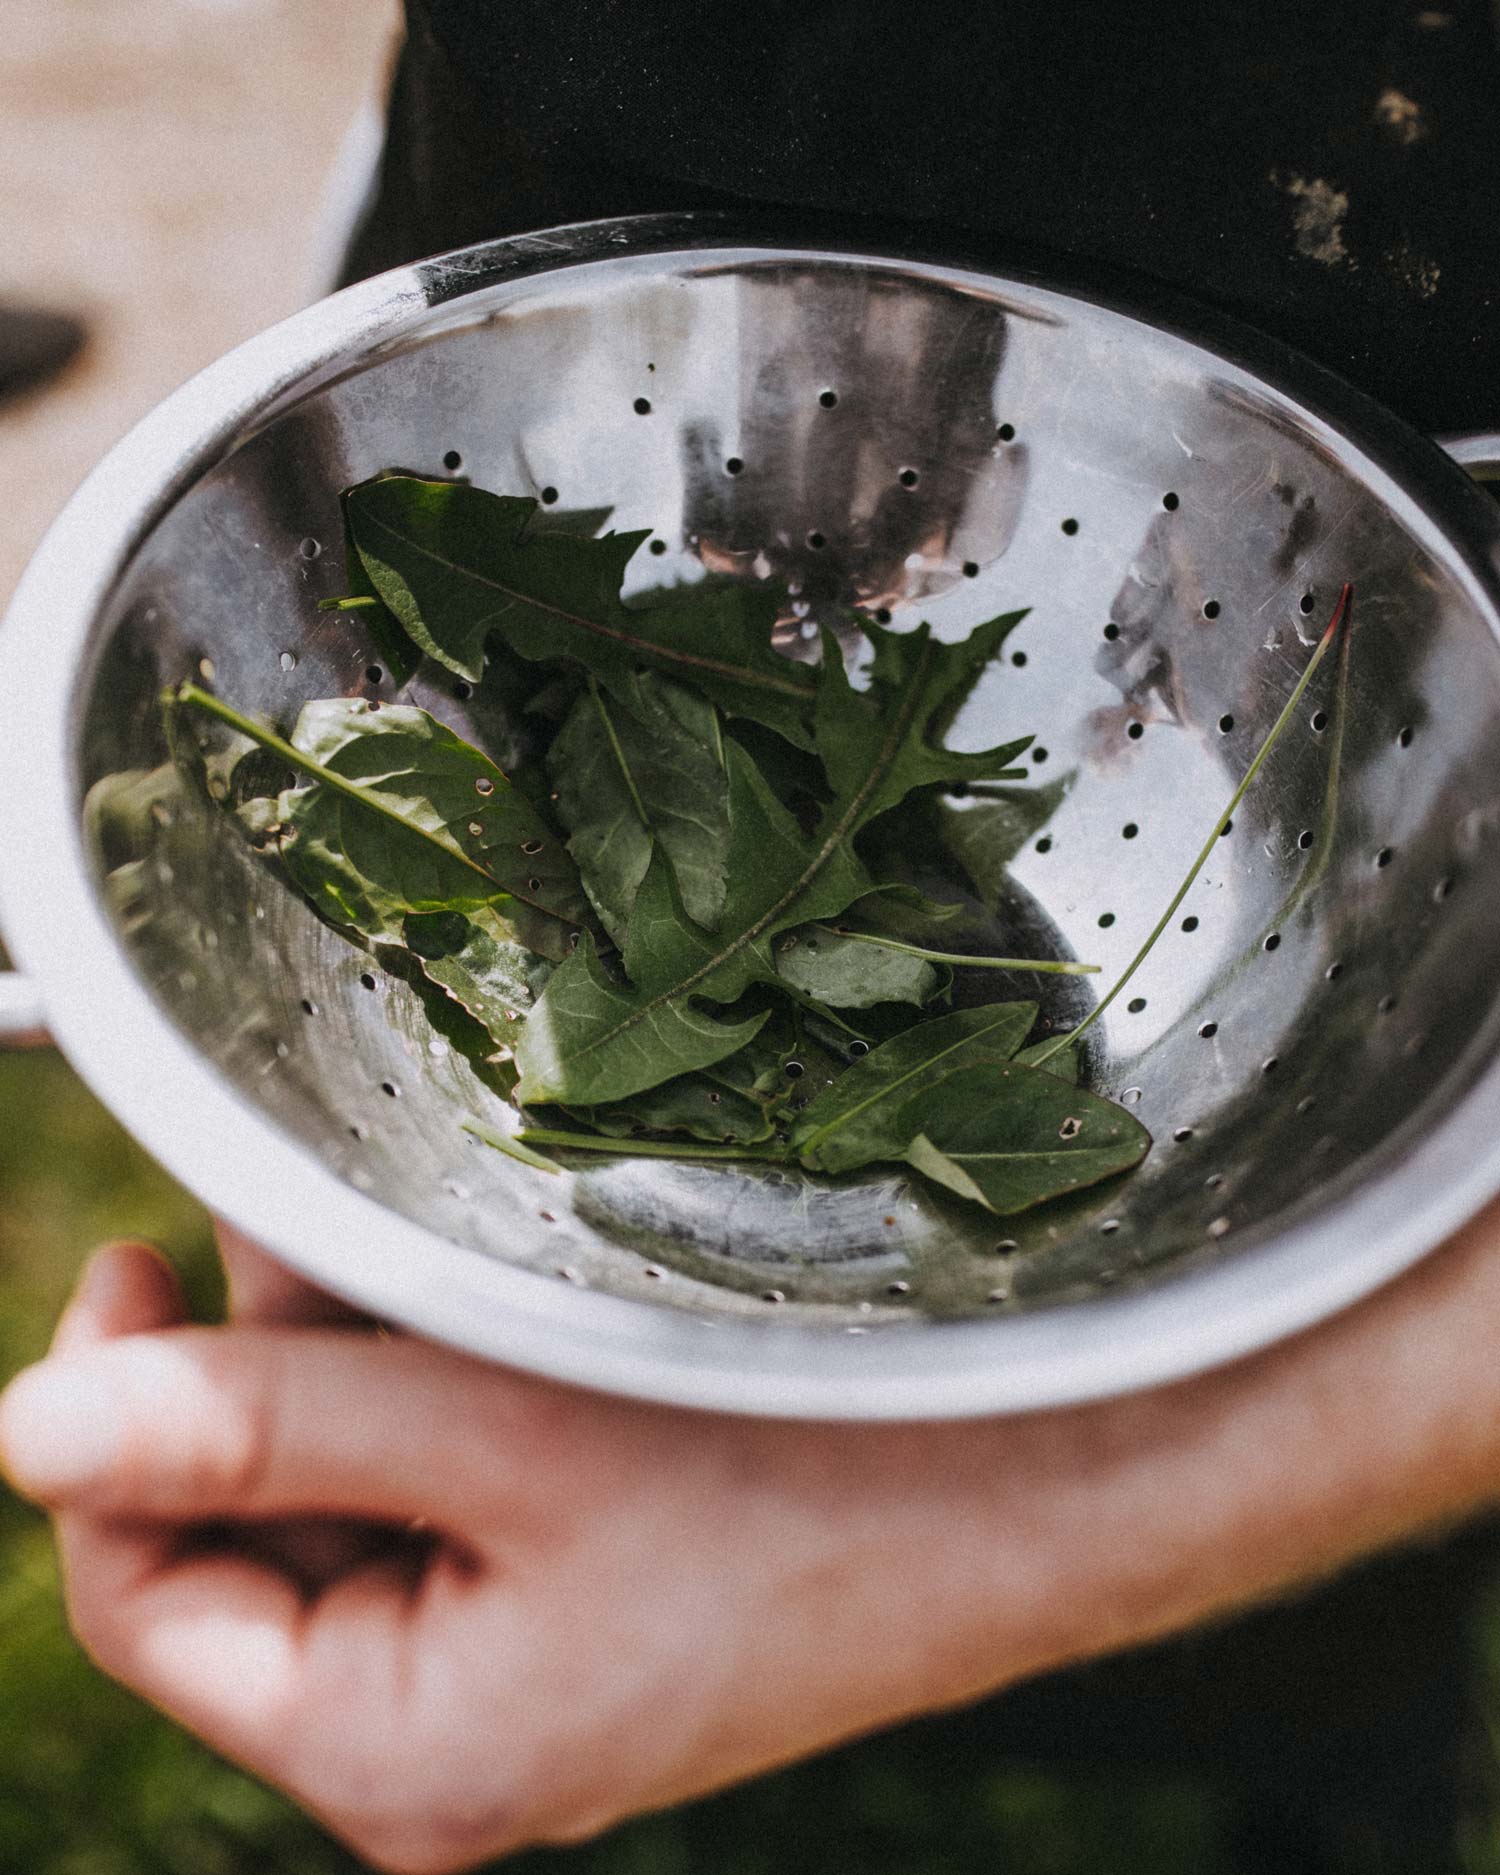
1314	1044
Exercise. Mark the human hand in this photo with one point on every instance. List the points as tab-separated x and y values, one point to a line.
617	1606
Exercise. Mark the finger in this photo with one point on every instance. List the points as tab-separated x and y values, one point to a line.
303	1695
263	1290
312	1552
129	1288
252	1422
212	1639
219	1641
125	1289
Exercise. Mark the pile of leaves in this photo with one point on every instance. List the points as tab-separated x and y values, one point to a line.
674	921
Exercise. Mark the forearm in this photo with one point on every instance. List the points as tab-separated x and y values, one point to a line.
1200	1498
941	1563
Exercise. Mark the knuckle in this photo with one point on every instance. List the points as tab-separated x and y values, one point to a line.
199	1423
236	1455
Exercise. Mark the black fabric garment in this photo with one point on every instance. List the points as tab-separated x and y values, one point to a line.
1329	172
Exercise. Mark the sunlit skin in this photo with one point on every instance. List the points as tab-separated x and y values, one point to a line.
616	1606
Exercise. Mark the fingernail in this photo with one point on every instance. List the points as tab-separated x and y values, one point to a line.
59	1430
98	1280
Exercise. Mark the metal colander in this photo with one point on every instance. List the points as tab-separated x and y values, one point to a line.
1313	1044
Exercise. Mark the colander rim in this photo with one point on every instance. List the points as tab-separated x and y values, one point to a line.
251	1172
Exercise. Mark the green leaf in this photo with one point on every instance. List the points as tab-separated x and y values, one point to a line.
401	660
591	1041
1009	1137
785	1063
482	965
958	960
404	816
795	773
841	970
902	910
879	744
694	1104
463	1032
861	1118
788	1062
985	836
625	776
455	563
587	521
1061	1064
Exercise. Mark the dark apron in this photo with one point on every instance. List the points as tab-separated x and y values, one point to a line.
1329	173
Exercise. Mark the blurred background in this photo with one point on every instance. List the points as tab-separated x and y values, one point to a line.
164	177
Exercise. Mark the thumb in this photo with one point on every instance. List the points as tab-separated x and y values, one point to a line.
254	1422
125	1288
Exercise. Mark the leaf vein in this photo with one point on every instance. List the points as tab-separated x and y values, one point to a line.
646	646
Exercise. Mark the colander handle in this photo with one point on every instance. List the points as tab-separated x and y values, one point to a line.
1478	452
21	1019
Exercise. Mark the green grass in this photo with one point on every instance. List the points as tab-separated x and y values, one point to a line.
94	1783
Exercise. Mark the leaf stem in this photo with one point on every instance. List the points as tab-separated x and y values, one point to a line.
992	786
511	1147
1046	966
643	1148
1317	863
351	604
1340	613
